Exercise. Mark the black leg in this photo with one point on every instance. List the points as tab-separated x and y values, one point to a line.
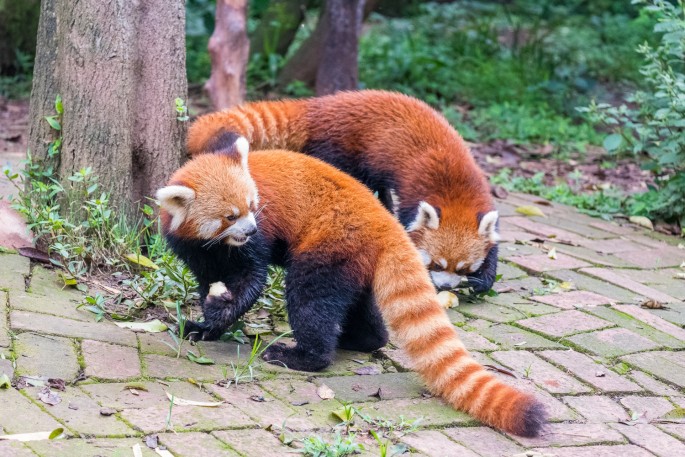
363	329
385	197
319	295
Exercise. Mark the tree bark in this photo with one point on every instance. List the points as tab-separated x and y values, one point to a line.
118	67
229	49
278	27
339	66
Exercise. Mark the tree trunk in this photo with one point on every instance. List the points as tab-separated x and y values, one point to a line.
278	27
118	67
229	49
339	67
305	63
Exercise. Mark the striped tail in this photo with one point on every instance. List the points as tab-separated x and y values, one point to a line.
266	125
421	327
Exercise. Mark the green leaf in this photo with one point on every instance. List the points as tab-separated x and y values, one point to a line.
68	279
52	120
154	326
58	105
141	260
530	210
612	142
199	360
5	382
56	433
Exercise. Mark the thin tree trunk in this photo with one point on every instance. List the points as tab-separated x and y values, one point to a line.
118	67
229	49
305	63
339	67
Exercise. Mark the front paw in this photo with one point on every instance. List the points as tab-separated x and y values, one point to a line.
201	331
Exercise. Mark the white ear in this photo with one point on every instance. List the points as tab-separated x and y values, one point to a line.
243	147
426	216
488	226
175	200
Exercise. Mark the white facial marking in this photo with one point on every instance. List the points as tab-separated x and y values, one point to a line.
460	265
217	288
445	279
476	265
425	257
239	233
175	200
442	263
426	216
208	229
488	226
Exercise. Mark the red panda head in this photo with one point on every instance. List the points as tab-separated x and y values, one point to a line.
453	241
212	197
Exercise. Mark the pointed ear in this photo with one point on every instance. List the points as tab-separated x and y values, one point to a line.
176	200
426	216
488	226
242	147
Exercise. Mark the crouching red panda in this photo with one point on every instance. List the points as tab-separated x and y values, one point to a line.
389	142
350	269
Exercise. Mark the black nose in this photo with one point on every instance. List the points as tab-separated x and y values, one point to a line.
251	231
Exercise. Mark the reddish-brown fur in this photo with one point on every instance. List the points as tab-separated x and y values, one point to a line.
317	209
391	134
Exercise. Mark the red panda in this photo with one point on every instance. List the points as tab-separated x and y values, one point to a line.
350	270
389	142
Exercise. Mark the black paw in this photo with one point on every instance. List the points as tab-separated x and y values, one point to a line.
291	357
201	331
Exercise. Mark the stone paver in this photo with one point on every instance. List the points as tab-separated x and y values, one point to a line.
89	448
110	361
515	338
50	356
652	439
246	441
435	443
613	342
631	361
196	445
652	407
564	323
621	450
597	409
52	325
574	299
542	263
666	365
21	415
617	278
573	435
593	373
484	441
540	372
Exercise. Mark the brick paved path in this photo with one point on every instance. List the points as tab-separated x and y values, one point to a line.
570	329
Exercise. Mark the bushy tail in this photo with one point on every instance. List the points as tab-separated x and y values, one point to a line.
421	327
266	125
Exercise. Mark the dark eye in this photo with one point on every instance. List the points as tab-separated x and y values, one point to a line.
232	217
436	267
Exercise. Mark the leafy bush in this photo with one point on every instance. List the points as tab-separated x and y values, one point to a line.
652	125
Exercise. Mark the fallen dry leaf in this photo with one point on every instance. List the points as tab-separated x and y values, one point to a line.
530	210
679	276
57	383
652	304
49	397
499	192
35	254
324	392
152	441
499	370
137	451
552	254
154	326
107	412
163	452
183	402
641	221
35	436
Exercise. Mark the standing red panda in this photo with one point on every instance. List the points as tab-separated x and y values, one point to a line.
388	141
350	269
